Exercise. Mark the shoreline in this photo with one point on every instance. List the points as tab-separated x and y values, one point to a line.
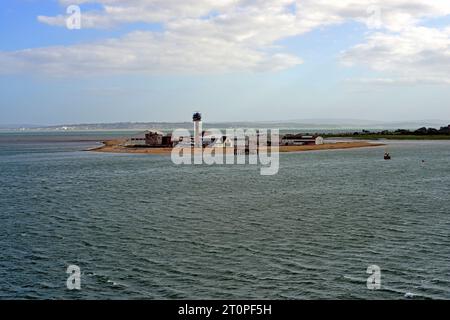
375	137
113	146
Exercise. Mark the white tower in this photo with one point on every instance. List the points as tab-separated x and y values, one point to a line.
197	118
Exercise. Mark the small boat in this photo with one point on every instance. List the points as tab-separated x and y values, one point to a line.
387	156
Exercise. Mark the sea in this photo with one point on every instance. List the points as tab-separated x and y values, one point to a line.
141	227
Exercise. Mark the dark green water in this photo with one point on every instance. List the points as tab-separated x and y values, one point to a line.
140	227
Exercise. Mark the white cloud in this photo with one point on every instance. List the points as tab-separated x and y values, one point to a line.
233	38
310	14
417	54
146	52
393	15
117	12
241	35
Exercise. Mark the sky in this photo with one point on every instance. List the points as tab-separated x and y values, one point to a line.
233	60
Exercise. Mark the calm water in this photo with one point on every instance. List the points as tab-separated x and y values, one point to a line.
140	227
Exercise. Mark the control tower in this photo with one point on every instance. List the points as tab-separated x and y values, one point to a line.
197	119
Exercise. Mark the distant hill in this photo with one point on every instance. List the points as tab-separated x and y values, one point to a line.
291	124
17	126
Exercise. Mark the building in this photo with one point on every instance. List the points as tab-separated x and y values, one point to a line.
135	142
221	142
153	139
300	140
202	139
150	139
197	119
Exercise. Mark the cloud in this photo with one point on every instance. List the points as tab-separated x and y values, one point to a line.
239	40
393	15
116	12
216	36
308	14
418	54
146	52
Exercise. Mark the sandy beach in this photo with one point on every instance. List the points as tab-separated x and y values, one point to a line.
114	146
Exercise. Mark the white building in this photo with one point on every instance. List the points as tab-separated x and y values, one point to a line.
300	140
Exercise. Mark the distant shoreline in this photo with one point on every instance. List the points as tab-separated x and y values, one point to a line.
375	137
113	146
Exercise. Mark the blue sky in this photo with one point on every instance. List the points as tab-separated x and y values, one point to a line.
156	62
